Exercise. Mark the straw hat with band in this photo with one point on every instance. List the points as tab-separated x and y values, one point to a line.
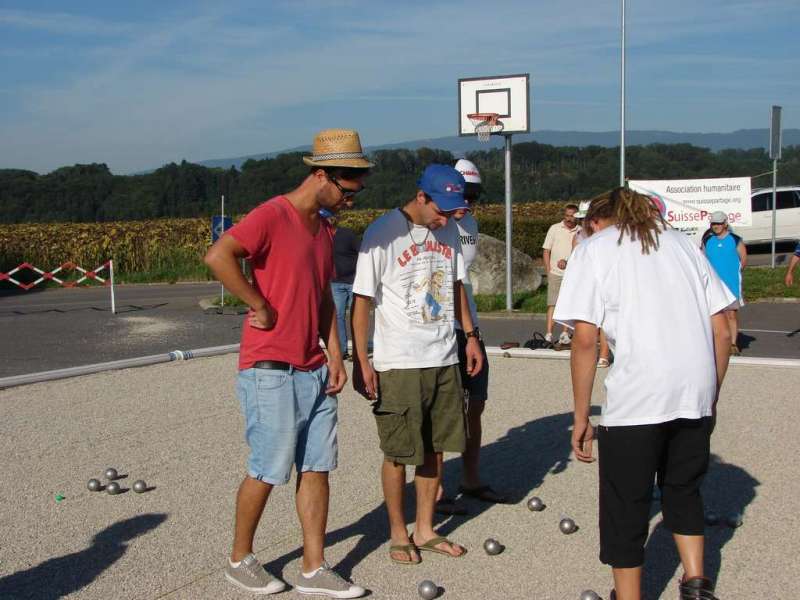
337	148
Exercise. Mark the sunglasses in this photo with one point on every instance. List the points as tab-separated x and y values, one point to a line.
344	191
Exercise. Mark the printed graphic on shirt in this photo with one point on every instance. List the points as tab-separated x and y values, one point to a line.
426	275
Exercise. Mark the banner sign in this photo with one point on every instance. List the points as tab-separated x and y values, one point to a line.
687	204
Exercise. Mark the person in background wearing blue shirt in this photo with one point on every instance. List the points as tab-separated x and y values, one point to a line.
727	254
789	279
346	244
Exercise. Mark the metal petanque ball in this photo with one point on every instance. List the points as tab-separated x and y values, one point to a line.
139	486
712	519
113	488
427	589
94	485
589	595
567	526
734	521
492	547
111	474
535	504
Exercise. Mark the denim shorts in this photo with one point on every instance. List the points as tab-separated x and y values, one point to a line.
289	420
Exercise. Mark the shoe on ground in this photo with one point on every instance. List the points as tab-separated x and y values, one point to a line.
548	337
564	339
697	588
603	363
735	350
326	581
251	576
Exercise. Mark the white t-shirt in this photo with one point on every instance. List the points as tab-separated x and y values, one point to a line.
656	312
410	272
468	234
559	241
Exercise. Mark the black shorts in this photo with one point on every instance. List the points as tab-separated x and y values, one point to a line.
630	458
477	387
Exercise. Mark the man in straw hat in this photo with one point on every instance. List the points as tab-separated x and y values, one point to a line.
411	266
286	386
661	306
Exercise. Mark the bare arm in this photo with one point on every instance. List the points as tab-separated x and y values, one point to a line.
741	249
223	260
365	379
583	364
546	259
464	316
722	351
789	278
337	374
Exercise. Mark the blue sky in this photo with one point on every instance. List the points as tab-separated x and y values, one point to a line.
138	84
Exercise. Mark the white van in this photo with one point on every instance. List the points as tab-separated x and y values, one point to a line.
787	218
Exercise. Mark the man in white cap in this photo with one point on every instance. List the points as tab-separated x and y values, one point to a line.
476	389
287	386
728	255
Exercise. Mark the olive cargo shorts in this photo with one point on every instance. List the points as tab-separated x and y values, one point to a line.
420	411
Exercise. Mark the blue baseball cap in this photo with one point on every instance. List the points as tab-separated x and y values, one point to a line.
445	186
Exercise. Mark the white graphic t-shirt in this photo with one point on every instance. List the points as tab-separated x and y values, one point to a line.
468	234
410	272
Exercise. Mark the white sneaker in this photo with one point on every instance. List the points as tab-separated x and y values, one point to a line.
325	581
564	339
548	337
250	575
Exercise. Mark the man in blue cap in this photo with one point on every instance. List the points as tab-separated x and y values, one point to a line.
411	267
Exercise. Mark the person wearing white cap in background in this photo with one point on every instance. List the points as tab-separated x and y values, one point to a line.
476	389
728	255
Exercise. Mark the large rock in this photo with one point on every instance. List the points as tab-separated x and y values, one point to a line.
488	271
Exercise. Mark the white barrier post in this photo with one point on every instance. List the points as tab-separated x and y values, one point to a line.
111	274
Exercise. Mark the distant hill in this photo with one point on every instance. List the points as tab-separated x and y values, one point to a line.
742	139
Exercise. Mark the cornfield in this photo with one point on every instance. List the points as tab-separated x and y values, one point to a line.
134	246
146	246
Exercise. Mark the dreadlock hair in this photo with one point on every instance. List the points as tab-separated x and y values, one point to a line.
633	213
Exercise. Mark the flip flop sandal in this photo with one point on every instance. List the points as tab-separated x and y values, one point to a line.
485	493
407	550
448	506
430	546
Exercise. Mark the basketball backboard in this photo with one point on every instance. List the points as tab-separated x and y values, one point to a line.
506	95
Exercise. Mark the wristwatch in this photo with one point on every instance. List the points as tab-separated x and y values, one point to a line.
474	333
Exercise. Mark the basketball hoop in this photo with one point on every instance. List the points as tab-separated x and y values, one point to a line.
486	124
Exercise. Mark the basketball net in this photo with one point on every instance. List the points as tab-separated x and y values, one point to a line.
485	125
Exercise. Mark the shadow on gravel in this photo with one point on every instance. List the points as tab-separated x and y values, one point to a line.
59	577
727	490
517	464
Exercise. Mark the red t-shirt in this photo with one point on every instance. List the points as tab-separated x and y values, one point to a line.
292	269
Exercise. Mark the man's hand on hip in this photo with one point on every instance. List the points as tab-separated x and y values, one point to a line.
263	318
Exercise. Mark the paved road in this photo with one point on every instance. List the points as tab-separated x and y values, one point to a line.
54	329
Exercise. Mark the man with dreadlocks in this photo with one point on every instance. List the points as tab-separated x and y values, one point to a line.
660	304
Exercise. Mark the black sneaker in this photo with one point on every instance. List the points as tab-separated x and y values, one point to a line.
697	588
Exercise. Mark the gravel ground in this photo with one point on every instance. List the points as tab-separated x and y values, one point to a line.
178	427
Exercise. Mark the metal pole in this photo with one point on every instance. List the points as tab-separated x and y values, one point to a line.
774	207
113	300
221	233
622	105
509	298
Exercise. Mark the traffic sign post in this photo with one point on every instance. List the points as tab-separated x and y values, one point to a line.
775	155
219	225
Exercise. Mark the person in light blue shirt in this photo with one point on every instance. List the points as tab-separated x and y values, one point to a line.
728	255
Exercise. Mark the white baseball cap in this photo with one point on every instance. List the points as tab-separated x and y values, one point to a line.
583	208
468	169
718	217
